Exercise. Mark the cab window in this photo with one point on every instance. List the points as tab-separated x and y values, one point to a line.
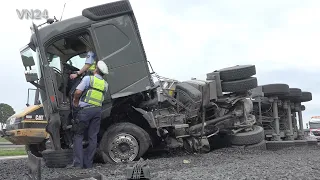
54	61
77	61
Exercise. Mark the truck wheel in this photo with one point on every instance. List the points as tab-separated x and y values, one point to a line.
123	142
57	158
248	138
237	72
294	94
189	93
239	85
305	97
303	107
275	89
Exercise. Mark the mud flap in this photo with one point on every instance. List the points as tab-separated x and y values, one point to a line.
53	128
34	166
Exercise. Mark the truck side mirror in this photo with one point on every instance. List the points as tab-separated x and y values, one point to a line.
30	75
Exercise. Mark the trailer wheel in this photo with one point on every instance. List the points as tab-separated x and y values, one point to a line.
249	138
305	97
190	93
294	94
124	142
275	89
57	158
239	85
237	72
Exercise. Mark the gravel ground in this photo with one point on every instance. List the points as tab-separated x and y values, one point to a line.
229	163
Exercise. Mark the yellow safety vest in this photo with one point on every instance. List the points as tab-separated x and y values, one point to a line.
95	93
93	66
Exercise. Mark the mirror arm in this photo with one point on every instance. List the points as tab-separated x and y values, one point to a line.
38	86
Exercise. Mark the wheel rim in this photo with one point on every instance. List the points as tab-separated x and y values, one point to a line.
124	147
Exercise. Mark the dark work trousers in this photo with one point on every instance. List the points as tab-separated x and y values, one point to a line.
87	119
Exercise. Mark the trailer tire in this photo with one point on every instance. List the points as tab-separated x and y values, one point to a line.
239	85
275	89
294	95
131	135
191	91
249	138
57	158
305	96
238	72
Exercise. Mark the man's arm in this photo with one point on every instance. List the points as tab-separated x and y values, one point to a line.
88	63
84	84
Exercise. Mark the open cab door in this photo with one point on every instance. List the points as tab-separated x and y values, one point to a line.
49	90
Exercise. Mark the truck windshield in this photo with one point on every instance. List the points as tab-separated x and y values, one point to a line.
314	125
30	59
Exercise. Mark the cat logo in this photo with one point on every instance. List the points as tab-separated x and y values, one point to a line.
39	117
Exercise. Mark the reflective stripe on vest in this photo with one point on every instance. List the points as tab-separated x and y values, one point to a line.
95	93
93	66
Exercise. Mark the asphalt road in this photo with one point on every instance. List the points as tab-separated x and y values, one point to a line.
9	145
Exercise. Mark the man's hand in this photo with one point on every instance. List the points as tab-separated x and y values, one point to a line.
73	76
75	103
76	97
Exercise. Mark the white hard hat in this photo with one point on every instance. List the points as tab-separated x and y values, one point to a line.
103	67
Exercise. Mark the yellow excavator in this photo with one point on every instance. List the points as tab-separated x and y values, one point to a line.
27	127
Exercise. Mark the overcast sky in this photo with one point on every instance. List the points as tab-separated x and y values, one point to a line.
189	38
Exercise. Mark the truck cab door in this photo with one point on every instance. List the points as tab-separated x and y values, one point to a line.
50	100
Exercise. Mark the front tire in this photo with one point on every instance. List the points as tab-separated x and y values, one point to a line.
124	142
249	138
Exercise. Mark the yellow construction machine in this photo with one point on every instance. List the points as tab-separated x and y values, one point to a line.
27	127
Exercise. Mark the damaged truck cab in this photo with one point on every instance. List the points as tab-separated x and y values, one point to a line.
137	113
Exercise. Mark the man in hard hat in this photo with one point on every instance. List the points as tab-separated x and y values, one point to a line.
88	98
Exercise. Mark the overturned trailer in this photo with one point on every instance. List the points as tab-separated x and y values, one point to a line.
137	114
278	108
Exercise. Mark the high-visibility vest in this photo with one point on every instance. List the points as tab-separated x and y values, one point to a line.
93	66
95	92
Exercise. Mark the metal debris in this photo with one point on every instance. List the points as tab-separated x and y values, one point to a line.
139	170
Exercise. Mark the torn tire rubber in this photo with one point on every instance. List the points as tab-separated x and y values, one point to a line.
121	139
248	138
239	85
238	72
57	158
275	89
